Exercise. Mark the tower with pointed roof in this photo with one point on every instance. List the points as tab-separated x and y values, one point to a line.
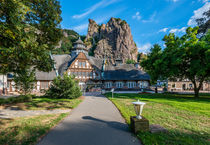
79	46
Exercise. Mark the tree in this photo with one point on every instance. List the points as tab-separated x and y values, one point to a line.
130	61
141	56
204	22
152	63
66	43
25	80
64	87
29	30
185	57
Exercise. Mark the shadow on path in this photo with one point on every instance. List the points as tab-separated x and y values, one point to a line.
112	124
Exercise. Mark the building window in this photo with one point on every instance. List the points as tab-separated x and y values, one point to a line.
119	84
140	85
145	84
44	85
80	64
190	85
108	84
131	84
83	64
84	74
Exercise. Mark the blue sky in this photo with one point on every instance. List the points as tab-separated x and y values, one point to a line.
149	20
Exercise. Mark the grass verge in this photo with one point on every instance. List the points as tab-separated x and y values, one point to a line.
187	119
27	130
42	103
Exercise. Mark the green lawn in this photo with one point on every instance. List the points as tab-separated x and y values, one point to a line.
50	103
42	103
187	119
27	130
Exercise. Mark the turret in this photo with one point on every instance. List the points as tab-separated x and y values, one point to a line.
79	46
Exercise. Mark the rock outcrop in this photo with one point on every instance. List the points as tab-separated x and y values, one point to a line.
113	40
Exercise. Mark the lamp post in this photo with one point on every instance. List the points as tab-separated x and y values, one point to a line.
138	122
112	90
138	108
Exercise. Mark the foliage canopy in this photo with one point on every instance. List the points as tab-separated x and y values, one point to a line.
185	57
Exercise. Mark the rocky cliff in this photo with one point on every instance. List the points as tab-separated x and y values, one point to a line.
112	40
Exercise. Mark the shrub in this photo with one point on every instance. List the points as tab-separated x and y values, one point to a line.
64	87
130	61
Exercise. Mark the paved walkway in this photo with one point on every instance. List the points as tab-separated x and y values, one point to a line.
96	121
7	113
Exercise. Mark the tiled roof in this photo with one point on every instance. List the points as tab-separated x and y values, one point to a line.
119	72
124	72
45	75
60	61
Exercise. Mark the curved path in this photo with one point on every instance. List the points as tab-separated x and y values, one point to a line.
96	121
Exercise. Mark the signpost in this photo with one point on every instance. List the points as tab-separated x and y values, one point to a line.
112	90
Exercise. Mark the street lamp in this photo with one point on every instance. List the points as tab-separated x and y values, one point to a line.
138	108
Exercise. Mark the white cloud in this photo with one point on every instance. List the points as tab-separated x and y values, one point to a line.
81	27
145	48
102	3
137	16
175	0
151	19
98	20
198	14
182	30
163	30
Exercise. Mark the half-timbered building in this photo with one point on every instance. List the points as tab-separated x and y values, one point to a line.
93	73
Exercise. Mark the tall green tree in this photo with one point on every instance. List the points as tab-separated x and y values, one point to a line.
204	22
152	62
29	30
24	81
185	57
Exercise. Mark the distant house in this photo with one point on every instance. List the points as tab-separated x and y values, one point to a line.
93	73
185	86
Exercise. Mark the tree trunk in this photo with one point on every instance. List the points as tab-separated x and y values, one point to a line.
196	90
156	90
